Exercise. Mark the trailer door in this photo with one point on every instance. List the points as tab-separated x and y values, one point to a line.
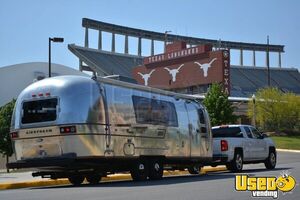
194	128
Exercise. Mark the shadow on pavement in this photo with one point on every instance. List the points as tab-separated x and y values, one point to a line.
168	180
245	171
165	181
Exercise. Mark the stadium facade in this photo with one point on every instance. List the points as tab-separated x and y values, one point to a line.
186	73
243	81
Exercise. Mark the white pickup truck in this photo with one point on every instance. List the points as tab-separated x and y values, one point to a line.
234	145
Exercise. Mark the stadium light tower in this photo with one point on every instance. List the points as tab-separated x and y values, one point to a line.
55	39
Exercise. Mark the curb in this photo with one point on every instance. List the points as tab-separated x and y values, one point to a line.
288	150
109	178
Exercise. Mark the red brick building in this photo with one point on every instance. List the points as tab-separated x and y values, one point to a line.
182	69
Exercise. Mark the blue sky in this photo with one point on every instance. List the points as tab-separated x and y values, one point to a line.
26	25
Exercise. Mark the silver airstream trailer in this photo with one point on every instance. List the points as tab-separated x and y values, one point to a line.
78	127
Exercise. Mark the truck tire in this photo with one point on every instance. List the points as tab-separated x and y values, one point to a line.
139	170
76	179
270	162
93	179
236	165
194	169
156	170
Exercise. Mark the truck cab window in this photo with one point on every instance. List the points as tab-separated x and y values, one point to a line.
256	133
248	132
227	132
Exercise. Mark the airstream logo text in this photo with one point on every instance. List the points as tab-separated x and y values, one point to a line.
39	131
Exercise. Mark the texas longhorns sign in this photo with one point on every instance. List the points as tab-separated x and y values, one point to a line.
199	69
205	66
173	72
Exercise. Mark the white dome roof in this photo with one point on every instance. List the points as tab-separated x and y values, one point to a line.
14	78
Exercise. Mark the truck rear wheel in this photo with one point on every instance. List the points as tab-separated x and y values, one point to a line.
236	165
76	179
139	171
194	169
270	162
156	170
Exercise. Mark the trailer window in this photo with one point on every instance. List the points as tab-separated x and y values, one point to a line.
201	116
39	111
152	111
227	132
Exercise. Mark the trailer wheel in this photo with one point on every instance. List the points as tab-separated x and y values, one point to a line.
156	170
194	169
76	179
139	170
93	179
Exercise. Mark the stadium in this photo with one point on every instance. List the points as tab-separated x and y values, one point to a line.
190	53
171	62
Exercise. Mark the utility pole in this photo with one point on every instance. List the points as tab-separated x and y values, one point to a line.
253	110
268	62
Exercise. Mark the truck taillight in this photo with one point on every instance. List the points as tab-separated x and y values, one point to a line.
14	135
224	145
67	129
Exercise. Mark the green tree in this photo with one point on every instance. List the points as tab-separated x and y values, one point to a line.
291	112
5	120
219	108
275	110
267	107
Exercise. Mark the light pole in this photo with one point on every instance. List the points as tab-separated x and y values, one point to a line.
166	38
268	62
55	39
254	116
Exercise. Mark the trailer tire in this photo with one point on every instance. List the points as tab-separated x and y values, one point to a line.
194	169
139	170
76	179
156	170
93	179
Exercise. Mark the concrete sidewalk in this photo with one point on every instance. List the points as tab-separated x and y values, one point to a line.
15	177
16	180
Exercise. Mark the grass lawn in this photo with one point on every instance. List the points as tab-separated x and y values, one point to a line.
287	142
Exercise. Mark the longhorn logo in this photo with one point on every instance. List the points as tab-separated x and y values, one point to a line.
174	72
146	76
205	66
